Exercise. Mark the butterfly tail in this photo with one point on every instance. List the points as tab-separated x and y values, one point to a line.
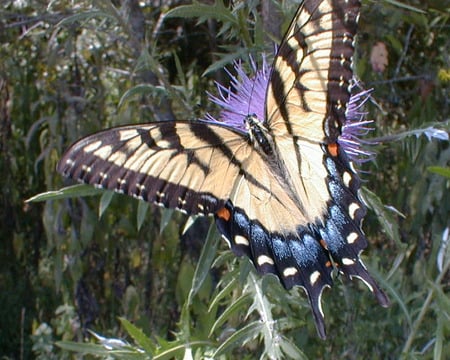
358	270
345	243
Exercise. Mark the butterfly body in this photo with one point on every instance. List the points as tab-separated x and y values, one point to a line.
283	192
259	135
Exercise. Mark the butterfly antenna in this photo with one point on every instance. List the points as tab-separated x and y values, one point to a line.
253	65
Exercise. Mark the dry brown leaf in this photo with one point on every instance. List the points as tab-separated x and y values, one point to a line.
379	57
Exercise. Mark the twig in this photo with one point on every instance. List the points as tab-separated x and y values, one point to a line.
394	80
405	50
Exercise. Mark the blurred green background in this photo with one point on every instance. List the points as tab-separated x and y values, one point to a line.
88	263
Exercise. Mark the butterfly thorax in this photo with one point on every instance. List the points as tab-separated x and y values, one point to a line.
259	134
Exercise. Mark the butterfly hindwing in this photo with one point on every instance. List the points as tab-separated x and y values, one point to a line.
296	258
342	231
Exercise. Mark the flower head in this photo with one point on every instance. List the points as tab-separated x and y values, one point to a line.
247	95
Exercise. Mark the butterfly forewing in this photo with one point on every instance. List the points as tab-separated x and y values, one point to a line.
309	87
304	108
168	163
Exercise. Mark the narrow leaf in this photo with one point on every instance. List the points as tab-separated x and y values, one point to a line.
83	17
239	338
176	350
222	294
235	307
439	170
66	193
205	261
384	215
405	6
86	348
218	12
105	200
290	349
225	60
166	216
140	90
141	213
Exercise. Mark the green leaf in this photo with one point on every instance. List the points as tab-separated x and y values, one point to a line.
141	213
86	348
205	261
443	171
189	222
218	11
225	60
124	353
105	200
87	227
385	215
238	305
260	301
440	337
139	337
84	16
177	350
222	294
66	193
290	349
405	6
137	91
239	338
264	308
166	216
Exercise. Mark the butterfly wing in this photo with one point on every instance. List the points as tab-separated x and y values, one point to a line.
306	104
201	168
180	165
308	90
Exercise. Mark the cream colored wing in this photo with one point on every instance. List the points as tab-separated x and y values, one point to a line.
189	166
308	90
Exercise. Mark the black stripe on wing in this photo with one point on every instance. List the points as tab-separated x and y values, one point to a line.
345	23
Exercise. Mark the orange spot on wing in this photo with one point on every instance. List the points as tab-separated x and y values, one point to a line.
224	214
328	264
333	149
324	244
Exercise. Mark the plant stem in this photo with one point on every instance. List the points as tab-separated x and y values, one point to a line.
424	310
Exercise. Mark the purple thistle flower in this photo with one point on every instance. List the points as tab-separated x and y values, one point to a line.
247	94
355	128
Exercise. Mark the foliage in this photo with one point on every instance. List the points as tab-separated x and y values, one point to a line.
71	266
